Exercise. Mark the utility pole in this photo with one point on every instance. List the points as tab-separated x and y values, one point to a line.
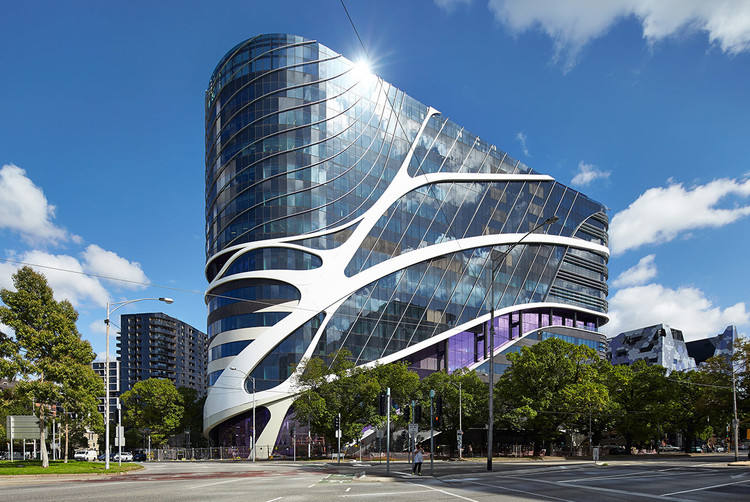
388	432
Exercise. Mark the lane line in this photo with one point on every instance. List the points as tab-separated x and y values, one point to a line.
446	492
593	488
277	498
216	483
383	494
519	491
707	488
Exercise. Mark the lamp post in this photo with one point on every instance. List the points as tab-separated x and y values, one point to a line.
735	421
233	368
110	311
493	275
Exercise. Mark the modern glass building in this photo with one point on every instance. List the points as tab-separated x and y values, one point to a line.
343	214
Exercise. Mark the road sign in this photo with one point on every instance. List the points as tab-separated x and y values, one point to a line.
22	427
413	429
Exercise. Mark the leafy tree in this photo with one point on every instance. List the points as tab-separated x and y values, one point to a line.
192	417
550	385
154	405
640	401
327	389
465	404
52	359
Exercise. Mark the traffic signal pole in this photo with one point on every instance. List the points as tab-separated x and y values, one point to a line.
432	430
388	437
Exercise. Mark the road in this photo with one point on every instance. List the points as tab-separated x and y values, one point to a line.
703	478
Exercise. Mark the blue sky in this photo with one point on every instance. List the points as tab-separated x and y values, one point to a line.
643	106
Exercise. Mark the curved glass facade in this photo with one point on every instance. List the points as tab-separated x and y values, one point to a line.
342	213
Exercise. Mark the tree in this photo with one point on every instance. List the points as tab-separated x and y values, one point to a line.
550	385
327	389
192	417
473	400
640	398
154	405
52	359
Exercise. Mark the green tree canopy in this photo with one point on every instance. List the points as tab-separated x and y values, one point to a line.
327	389
154	405
550	385
52	359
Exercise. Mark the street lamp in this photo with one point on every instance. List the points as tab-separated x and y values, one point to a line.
493	275
233	368
106	367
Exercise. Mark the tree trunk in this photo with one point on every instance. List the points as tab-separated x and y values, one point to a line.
66	442
43	439
628	443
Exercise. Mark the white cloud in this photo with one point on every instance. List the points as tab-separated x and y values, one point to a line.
574	23
68	282
662	214
685	308
24	208
450	5
639	274
107	263
588	173
521	138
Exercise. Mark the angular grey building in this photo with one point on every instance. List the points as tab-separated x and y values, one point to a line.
155	345
343	214
659	344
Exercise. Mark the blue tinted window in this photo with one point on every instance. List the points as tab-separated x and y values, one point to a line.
228	349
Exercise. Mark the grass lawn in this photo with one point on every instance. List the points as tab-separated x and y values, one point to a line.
8	468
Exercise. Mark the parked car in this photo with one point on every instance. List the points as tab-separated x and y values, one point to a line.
104	455
139	457
85	454
126	456
669	447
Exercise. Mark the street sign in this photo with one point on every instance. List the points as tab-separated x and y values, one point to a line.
413	429
119	435
22	427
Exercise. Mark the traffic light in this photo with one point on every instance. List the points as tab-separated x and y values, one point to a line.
382	404
407	413
417	413
337	422
437	417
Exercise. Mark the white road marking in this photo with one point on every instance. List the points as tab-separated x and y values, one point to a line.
348	489
535	495
447	493
216	483
277	498
707	488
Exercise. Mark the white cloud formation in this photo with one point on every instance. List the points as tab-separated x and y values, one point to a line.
685	308
574	23
662	214
587	173
66	274
102	262
68	283
24	208
521	138
639	274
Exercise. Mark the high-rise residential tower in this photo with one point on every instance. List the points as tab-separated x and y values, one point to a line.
343	214
155	345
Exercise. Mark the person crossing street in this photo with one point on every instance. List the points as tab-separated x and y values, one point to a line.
418	459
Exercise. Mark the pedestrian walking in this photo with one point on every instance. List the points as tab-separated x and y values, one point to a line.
418	459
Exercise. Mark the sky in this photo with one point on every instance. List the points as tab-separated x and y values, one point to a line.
641	105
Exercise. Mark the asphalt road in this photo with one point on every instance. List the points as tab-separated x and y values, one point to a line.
704	478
